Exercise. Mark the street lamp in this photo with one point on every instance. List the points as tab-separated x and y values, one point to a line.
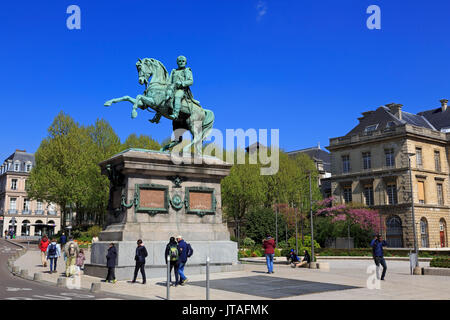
312	225
416	250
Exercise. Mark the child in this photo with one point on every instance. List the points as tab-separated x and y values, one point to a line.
80	259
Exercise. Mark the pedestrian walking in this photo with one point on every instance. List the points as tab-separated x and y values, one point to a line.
63	240
377	245
6	234
80	260
269	252
71	251
43	244
141	254
53	253
185	251
173	254
111	258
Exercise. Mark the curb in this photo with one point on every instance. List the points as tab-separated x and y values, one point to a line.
96	287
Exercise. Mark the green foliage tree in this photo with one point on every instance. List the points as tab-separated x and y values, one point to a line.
260	222
141	142
67	168
57	176
242	190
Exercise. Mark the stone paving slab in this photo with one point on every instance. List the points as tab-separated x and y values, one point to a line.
399	283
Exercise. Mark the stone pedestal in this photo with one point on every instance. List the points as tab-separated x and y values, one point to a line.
153	198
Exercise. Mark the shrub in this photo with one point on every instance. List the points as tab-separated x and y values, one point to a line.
257	253
440	262
248	242
277	252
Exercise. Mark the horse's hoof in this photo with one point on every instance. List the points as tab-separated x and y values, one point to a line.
133	114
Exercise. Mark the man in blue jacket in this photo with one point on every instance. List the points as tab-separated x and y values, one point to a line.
377	245
183	255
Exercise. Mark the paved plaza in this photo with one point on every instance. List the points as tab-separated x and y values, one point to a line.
345	280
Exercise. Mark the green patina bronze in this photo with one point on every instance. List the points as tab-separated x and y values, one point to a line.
171	97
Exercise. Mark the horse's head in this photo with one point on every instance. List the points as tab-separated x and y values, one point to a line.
144	70
151	68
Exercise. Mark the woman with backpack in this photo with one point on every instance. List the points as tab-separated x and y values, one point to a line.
53	253
173	254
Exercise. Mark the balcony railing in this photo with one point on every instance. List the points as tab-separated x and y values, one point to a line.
12	211
39	212
26	212
52	213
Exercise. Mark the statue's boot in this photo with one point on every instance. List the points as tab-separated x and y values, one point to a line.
176	109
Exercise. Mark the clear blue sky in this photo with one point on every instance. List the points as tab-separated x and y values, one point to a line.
308	68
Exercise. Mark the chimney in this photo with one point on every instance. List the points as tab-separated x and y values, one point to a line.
444	104
18	150
396	109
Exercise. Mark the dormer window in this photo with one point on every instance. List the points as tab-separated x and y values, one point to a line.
28	167
17	166
371	128
390	125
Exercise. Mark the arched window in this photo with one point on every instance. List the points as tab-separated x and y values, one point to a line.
394	232
25	231
424	233
51	228
443	233
38	228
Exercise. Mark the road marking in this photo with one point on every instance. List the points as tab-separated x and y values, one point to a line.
108	299
52	297
17	289
19	298
77	295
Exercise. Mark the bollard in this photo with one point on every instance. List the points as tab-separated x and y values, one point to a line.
15	269
24	273
96	286
207	278
37	276
168	278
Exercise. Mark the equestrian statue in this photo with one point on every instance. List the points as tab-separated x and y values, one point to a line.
171	97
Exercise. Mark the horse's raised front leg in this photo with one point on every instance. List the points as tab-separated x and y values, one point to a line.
124	98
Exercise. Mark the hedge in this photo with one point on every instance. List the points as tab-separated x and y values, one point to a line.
440	262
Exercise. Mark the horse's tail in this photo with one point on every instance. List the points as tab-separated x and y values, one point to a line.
208	123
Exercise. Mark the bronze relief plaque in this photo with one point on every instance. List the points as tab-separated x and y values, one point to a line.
200	201
152	198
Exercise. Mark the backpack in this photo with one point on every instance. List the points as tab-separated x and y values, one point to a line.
71	250
173	253
52	250
190	251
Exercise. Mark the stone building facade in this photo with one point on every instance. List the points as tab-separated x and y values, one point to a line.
28	218
371	165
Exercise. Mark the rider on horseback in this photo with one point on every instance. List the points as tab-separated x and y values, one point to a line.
182	79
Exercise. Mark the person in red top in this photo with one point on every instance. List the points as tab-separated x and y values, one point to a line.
269	251
43	244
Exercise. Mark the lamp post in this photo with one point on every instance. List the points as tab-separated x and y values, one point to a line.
416	249
312	225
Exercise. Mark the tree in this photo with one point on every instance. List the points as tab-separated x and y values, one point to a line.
352	219
260	222
57	176
141	142
242	191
